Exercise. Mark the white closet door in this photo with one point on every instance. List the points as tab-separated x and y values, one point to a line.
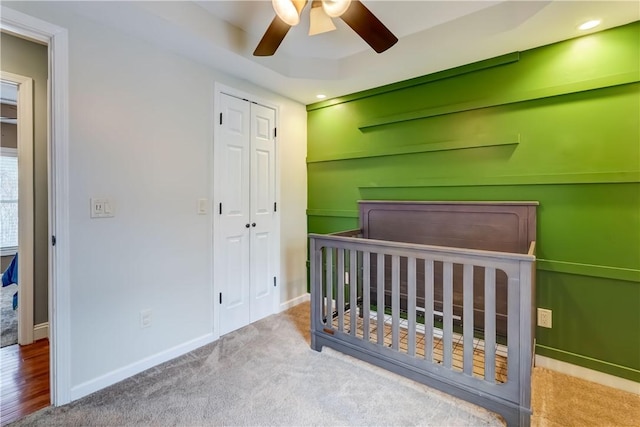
233	169
246	248
262	210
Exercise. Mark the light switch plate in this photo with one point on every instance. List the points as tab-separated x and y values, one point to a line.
202	206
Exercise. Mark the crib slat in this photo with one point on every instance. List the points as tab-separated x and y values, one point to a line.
490	324
447	312
411	305
353	292
380	305
366	294
467	320
395	302
513	326
315	274
428	310
340	289
329	252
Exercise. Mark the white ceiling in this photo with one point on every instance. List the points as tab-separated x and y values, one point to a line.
433	36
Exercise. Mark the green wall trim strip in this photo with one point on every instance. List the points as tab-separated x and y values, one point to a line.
546	179
458	71
565	89
414	149
588	362
334	213
603	271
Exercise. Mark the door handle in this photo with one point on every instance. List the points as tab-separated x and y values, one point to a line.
247	225
253	225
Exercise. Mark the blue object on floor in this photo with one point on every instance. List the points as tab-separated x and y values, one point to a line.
10	276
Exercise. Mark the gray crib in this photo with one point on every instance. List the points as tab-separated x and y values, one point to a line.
440	292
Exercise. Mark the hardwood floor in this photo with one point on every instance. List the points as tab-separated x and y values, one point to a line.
24	380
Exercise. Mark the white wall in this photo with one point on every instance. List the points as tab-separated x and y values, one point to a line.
141	129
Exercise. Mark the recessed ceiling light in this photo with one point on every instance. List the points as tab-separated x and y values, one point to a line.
589	24
321	96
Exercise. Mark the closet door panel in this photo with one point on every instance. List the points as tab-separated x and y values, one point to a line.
262	211
261	277
233	162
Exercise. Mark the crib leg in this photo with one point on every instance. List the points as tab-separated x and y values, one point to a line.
314	343
525	418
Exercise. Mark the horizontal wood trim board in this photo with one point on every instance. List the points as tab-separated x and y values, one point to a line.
568	89
624	177
414	149
441	75
589	362
602	271
333	213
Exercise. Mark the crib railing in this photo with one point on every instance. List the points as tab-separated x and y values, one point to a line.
407	335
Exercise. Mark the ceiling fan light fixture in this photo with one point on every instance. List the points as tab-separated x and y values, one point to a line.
288	10
335	8
319	22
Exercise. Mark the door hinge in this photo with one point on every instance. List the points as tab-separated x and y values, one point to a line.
53	240
275	207
274	281
220	298
220	209
220	118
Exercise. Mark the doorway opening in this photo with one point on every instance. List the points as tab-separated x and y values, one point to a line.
16	208
17	196
55	40
24	133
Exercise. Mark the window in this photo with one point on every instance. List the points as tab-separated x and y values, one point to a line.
8	201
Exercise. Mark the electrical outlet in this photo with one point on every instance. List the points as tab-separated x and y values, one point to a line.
101	208
97	208
544	318
145	318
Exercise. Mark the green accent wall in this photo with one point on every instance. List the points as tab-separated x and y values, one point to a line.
559	124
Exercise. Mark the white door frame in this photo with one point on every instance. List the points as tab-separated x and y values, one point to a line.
56	38
219	89
25	203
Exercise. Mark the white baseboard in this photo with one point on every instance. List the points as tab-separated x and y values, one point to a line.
41	331
125	372
588	374
294	301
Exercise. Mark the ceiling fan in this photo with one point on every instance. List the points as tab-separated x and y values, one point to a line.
352	12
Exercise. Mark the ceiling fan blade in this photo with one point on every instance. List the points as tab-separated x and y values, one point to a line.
365	23
272	37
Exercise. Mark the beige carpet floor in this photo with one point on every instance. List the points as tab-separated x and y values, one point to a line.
264	374
557	399
270	362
